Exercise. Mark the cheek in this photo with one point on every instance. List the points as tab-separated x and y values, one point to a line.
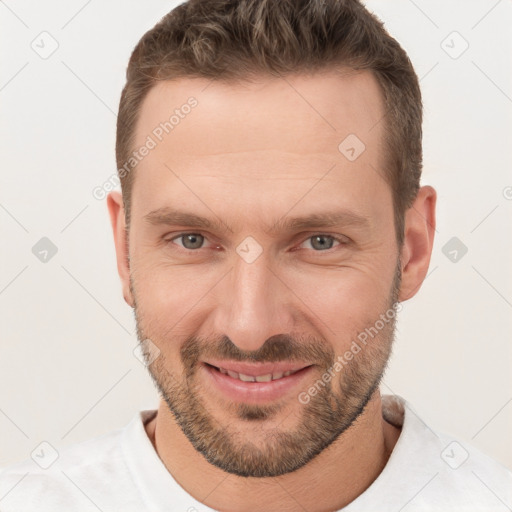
343	302
177	301
169	298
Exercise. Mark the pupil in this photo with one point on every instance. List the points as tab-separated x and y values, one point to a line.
322	242
193	241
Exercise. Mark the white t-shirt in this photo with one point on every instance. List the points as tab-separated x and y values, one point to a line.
121	472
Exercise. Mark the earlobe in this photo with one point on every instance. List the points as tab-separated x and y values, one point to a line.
420	224
117	220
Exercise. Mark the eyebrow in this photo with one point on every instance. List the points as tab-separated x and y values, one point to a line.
169	216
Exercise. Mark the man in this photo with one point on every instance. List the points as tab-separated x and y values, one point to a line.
270	224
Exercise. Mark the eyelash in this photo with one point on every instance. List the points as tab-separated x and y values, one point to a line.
341	241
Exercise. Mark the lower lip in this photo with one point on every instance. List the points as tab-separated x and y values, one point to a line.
254	392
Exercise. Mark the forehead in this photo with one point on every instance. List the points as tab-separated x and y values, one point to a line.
260	138
304	110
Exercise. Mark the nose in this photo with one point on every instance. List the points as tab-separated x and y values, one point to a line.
254	305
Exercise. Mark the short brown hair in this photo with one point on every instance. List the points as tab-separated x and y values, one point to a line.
238	39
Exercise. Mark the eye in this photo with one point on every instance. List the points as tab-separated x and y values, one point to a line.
321	242
189	240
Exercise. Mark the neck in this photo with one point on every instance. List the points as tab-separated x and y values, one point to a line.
330	481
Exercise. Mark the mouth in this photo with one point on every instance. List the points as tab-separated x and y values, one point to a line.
254	382
266	377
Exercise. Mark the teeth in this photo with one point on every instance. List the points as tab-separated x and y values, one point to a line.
264	378
260	378
246	378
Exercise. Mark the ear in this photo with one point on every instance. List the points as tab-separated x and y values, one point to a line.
419	228
117	219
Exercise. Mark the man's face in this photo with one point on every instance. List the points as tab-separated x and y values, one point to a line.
268	286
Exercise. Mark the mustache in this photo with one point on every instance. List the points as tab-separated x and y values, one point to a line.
281	347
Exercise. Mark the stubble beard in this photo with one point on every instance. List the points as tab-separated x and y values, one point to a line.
327	415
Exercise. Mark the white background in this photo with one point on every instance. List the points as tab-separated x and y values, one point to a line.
67	369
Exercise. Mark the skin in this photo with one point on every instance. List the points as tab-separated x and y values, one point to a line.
251	154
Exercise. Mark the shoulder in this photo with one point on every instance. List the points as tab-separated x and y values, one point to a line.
466	475
79	477
438	471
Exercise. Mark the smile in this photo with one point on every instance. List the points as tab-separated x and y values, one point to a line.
254	382
256	378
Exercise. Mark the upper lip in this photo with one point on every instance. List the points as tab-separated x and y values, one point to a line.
257	369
